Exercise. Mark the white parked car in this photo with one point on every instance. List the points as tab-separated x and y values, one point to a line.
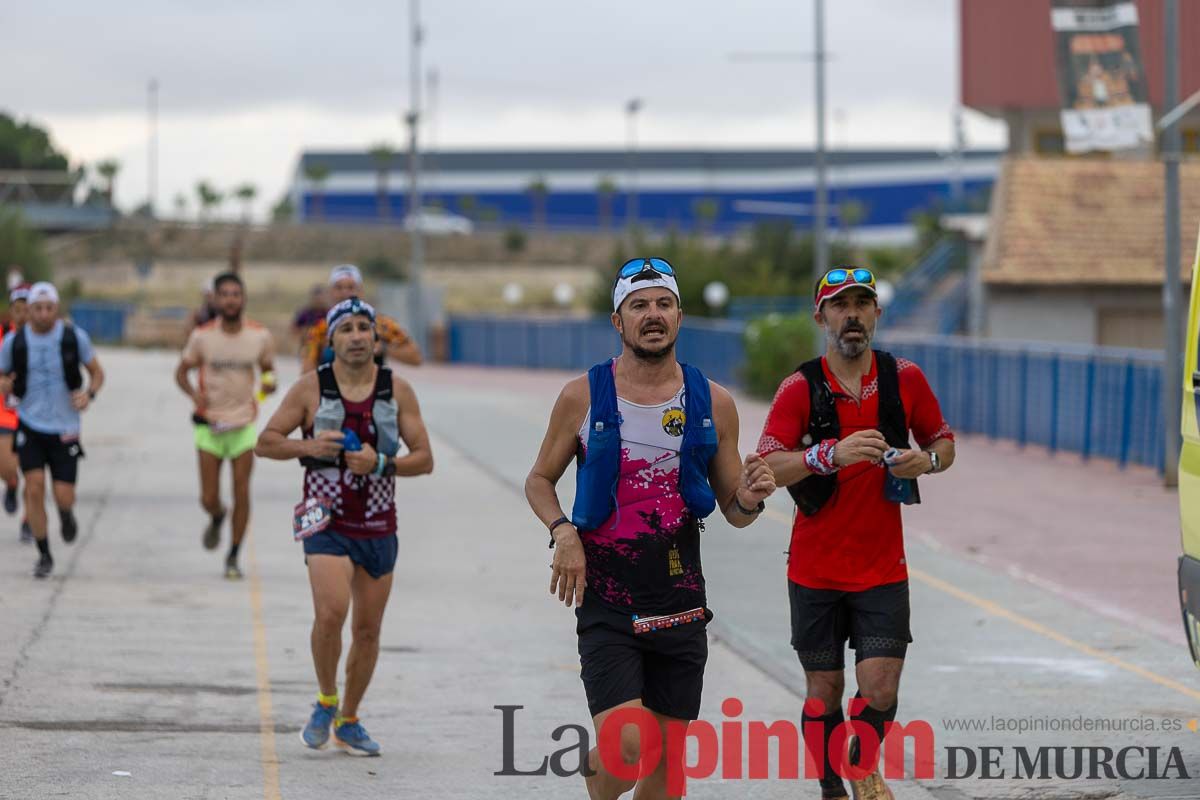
438	222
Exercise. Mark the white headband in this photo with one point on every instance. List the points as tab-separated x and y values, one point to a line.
345	271
43	292
627	286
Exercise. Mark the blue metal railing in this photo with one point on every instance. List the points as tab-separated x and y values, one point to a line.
715	346
104	322
1095	401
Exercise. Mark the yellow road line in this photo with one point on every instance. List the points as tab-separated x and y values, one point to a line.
1025	622
266	721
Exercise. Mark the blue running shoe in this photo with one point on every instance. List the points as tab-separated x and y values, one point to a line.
354	738
316	732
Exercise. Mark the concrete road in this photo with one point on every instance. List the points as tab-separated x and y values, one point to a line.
138	672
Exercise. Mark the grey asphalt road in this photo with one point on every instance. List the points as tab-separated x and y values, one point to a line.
138	672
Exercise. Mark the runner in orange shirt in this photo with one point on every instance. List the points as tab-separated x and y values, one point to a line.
346	281
18	311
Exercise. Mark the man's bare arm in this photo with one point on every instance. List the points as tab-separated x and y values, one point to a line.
419	458
734	481
274	443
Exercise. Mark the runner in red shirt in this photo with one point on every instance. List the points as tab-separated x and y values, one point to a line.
847	578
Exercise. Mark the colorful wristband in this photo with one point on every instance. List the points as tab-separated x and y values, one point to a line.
381	464
819	458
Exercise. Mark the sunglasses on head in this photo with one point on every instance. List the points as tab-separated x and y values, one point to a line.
837	277
636	266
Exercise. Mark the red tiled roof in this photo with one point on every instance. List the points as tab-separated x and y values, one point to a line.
1085	221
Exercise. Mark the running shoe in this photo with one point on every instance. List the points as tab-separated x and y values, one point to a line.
10	500
353	738
316	732
871	787
26	532
212	531
44	566
232	571
69	527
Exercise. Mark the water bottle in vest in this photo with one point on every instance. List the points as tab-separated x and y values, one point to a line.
897	490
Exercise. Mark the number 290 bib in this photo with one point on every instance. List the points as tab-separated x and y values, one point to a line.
311	516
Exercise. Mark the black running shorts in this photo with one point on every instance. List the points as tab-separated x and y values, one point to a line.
664	668
37	450
874	621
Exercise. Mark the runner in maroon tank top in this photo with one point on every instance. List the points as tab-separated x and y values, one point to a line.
347	519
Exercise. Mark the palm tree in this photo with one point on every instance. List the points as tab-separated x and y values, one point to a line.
468	204
108	170
208	199
317	174
538	191
706	210
606	190
382	155
246	193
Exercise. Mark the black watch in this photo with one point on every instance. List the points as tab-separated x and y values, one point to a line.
91	395
758	509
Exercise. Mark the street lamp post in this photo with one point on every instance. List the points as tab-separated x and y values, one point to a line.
821	200
1173	365
413	117
631	198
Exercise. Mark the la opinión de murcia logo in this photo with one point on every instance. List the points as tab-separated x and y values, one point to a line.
737	749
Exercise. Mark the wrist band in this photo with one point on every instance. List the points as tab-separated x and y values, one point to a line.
552	526
381	464
819	458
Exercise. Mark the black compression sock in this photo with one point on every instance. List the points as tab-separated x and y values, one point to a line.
874	717
65	514
233	551
831	781
43	546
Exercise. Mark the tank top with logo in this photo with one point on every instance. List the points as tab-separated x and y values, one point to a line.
645	558
364	506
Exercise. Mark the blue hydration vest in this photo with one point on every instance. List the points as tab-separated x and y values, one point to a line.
598	471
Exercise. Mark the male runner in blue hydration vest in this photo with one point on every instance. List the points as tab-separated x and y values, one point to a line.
659	452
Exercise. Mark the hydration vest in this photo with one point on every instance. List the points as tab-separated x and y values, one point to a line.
69	348
331	414
598	468
813	492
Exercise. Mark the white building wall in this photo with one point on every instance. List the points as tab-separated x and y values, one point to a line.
1060	315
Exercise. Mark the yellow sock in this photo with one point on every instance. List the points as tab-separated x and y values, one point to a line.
327	699
340	721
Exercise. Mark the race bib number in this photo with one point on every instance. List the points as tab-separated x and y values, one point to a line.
311	517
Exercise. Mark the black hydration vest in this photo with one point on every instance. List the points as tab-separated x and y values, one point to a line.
69	348
813	492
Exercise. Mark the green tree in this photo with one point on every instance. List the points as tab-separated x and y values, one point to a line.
317	174
381	156
22	247
606	190
181	205
246	193
538	190
24	145
108	170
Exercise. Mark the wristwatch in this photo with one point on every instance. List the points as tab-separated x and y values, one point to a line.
935	463
758	509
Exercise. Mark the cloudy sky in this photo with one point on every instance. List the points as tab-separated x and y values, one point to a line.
246	86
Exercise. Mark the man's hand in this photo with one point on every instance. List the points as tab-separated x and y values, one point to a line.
362	462
569	577
79	399
326	445
6	385
911	464
859	447
757	481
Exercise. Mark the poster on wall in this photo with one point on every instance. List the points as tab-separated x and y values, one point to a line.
1100	77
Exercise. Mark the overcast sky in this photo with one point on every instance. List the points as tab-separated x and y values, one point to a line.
246	86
